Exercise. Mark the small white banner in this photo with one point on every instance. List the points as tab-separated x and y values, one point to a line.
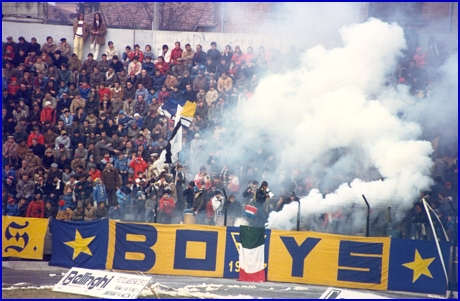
102	284
338	293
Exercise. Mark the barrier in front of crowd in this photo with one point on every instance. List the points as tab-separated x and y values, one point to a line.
381	263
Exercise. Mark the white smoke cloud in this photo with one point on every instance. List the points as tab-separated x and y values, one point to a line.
329	105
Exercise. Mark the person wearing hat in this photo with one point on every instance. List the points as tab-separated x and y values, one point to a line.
166	208
33	161
64	212
9	151
8	56
66	117
11	207
123	118
9	186
11	43
48	113
63	139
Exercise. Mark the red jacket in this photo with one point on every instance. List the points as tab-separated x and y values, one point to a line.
167	205
102	92
175	54
164	69
48	113
36	209
40	138
139	167
95	174
139	53
13	89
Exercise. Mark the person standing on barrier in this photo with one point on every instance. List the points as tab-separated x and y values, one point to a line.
98	30
80	30
260	197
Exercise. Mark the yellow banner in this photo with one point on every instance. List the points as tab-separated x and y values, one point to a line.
327	259
23	237
194	250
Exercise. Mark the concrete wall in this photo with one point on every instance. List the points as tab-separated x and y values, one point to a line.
123	37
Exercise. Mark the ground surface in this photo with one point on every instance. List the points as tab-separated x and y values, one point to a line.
178	286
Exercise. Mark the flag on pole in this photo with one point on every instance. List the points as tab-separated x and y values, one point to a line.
169	108
175	144
252	254
171	152
188	113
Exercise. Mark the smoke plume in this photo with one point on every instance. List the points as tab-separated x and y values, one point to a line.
325	119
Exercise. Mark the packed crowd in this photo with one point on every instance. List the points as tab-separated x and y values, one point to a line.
82	138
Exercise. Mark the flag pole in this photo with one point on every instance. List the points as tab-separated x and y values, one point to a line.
436	242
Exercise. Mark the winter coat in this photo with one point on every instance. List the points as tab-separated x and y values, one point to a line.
100	37
25	189
122	198
167	205
217	204
64	214
110	179
12	210
68	199
99	193
101	213
138	167
158	82
90	214
36	209
48	113
121	164
85	28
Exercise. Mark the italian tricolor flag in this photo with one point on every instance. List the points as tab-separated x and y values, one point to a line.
252	254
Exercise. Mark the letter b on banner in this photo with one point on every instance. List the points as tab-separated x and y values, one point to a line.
133	247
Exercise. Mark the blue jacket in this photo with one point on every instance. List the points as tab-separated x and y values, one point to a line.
68	198
12	210
121	198
121	164
84	92
99	193
151	96
149	67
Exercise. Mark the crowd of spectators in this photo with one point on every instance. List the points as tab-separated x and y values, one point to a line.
82	139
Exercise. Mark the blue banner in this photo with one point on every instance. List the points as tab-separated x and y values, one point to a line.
415	266
79	244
